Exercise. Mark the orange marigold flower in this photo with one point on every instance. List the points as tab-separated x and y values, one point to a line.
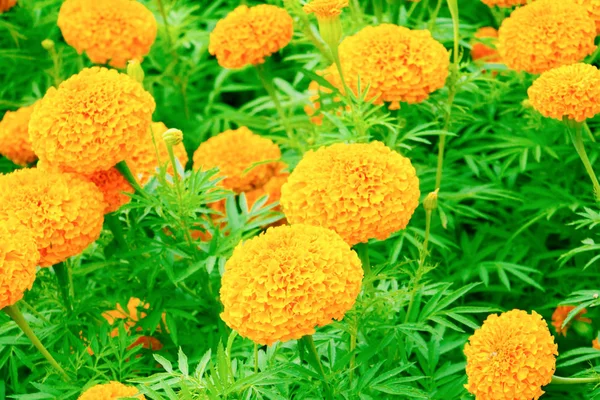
278	286
325	8
6	5
143	158
510	357
593	9
361	191
249	34
110	391
546	34
91	122
113	31
14	136
596	344
483	52
571	91
64	212
19	257
272	188
504	3
114	187
560	314
398	64
235	152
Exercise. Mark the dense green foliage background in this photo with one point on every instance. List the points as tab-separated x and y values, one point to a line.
515	228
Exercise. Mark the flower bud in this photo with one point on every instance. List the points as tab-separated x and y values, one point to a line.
173	137
431	201
135	71
48	44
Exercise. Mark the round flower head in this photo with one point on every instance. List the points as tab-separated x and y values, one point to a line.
91	122
483	52
510	357
282	284
571	91
64	212
249	34
111	391
504	3
398	64
18	258
546	34
325	8
113	31
361	191
143	158
560	315
6	5
14	136
235	152
114	187
593	9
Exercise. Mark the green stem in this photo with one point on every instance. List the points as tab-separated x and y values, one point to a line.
112	220
434	15
33	311
16	315
123	168
62	276
559	380
353	335
362	249
256	358
378	9
309	344
589	132
163	14
575	129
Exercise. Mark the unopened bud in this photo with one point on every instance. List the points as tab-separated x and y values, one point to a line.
173	137
431	201
135	71
526	103
48	44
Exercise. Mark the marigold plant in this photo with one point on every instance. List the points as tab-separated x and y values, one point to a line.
325	8
282	284
110	391
483	52
511	357
330	74
113	31
504	3
249	34
6	5
593	9
546	34
361	191
561	313
14	136
114	188
91	122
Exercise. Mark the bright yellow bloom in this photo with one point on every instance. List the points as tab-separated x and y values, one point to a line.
510	357
19	257
113	31
593	9
483	52
560	315
14	136
91	122
504	3
546	34
114	187
571	91
249	34
361	191
282	284
110	391
325	8
64	212
6	5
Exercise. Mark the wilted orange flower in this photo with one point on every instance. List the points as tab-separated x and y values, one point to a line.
14	136
111	391
571	91
19	257
331	75
546	34
483	52
6	5
399	64
113	31
282	284
510	357
64	212
91	122
504	3
235	152
143	158
560	314
114	187
325	8
593	9
361	191
249	34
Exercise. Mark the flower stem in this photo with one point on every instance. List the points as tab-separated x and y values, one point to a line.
62	276
575	129
309	344
16	315
163	14
559	380
256	358
112	220
124	169
362	249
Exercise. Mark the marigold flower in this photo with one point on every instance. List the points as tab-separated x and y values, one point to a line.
361	191
111	391
272	189
249	34
113	31
278	286
19	257
14	136
64	212
91	122
504	3
114	187
6	5
483	52
593	9
571	91
325	8
561	313
510	357
546	34
596	344
235	152
398	64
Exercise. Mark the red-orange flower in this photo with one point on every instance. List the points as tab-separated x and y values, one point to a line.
482	51
6	5
560	315
114	188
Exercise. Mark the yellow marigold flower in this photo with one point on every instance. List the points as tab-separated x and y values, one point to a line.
18	258
6	5
593	9
504	3
325	8
282	284
483	52
561	313
91	122
64	212
361	191
14	136
111	391
249	34
571	91
546	34
235	152
510	357
113	31
114	187
399	64
142	159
